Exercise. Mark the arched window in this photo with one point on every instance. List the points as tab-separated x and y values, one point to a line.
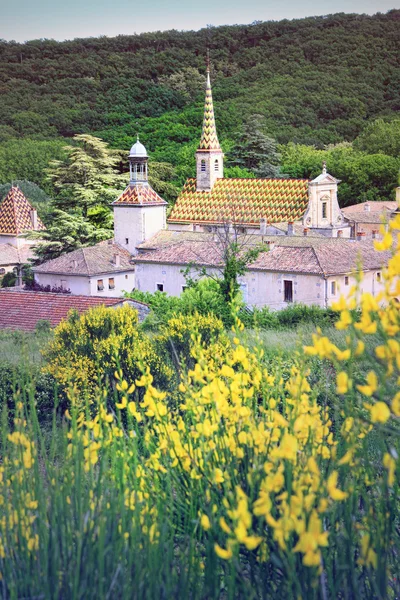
203	166
216	165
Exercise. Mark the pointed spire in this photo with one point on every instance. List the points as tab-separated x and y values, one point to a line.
209	138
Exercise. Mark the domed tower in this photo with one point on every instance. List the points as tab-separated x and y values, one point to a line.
138	163
139	212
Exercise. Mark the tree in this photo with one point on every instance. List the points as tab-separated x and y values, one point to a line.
380	137
87	177
67	232
255	150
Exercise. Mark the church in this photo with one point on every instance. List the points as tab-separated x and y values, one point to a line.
311	255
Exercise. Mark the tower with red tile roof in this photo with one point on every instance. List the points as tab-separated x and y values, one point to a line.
139	212
209	156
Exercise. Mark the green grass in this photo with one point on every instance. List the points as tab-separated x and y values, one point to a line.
21	347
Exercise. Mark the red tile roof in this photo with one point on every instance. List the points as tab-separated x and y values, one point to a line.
244	201
22	310
15	214
139	194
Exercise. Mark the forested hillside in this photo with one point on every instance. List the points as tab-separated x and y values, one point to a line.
315	81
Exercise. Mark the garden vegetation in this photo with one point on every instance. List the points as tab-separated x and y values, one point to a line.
235	478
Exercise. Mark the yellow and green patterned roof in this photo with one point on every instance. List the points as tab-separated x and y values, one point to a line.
243	201
209	139
15	214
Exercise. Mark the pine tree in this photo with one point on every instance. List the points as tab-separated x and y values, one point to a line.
255	150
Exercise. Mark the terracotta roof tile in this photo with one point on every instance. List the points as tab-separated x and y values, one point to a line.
22	310
10	255
92	260
375	206
139	194
245	201
15	214
324	256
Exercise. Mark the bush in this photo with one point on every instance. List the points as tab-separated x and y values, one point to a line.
9	280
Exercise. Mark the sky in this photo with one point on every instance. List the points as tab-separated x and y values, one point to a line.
23	20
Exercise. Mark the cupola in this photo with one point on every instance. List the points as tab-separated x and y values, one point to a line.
138	163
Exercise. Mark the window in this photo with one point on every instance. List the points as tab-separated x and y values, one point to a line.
184	287
203	166
288	291
324	211
378	277
333	288
159	287
126	241
216	165
111	283
100	285
126	276
346	280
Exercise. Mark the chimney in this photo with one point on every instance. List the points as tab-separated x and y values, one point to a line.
398	196
290	228
75	264
110	242
271	245
263	226
305	230
340	233
117	260
375	234
34	219
360	235
367	207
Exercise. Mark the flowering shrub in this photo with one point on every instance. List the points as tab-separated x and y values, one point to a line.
247	487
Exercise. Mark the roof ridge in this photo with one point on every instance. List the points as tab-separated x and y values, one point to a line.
317	257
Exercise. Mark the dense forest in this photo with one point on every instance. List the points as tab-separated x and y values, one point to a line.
316	88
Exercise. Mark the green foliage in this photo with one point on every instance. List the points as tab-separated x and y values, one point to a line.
255	151
66	232
88	177
28	160
380	137
9	280
94	345
364	176
287	318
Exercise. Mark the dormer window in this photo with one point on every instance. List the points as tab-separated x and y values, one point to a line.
216	165
203	166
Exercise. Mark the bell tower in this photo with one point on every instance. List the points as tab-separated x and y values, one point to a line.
209	156
138	164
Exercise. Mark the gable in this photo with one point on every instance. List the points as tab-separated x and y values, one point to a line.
15	214
243	201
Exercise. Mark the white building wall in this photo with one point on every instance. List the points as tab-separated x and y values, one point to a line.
262	288
88	286
135	224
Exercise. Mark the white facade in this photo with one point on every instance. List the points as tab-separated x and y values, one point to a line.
134	224
107	284
264	288
323	213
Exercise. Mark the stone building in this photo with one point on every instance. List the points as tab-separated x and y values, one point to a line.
311	256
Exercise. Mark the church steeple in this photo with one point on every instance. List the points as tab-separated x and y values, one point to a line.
209	156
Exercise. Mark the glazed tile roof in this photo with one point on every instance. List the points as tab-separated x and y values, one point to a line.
15	214
209	139
323	256
139	194
93	260
244	201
